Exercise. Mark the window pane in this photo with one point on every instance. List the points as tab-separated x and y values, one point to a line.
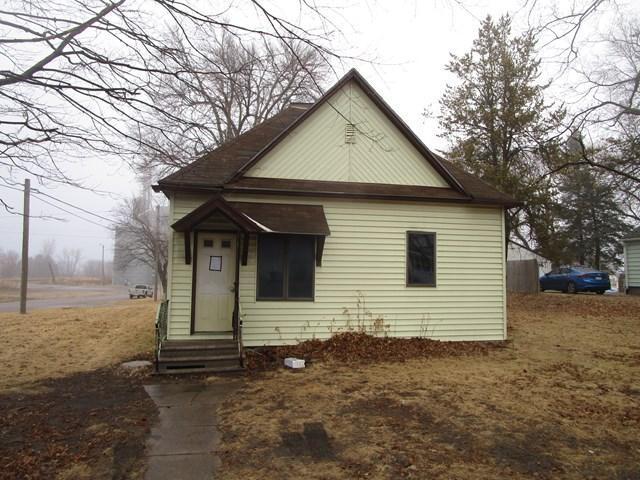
270	267
300	262
421	259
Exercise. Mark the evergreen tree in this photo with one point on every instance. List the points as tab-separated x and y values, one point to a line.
592	221
499	125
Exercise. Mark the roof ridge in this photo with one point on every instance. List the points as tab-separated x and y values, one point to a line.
400	124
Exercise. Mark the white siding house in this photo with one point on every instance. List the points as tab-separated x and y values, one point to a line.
632	262
329	217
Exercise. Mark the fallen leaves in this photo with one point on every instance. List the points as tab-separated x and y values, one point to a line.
360	347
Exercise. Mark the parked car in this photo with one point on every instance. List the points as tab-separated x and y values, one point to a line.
140	291
575	279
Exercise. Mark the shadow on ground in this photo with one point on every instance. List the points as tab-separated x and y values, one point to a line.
88	425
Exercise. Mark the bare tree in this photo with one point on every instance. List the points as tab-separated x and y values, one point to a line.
79	72
225	88
9	263
604	72
93	269
48	252
69	261
140	239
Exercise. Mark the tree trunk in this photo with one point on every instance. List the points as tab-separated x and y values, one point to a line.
51	272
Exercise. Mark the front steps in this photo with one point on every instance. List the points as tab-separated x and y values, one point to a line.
195	356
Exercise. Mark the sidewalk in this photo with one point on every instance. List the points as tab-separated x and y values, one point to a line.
182	444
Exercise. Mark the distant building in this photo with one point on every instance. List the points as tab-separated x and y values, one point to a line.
632	262
519	252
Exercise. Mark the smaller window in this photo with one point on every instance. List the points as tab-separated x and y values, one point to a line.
421	259
215	263
208	243
226	244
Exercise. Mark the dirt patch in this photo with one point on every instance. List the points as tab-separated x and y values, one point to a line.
54	343
85	426
360	347
560	401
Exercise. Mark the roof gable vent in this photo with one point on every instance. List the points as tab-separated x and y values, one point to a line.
349	133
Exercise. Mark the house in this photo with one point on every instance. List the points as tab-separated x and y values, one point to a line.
326	217
632	262
520	252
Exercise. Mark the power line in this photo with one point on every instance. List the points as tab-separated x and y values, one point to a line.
70	213
44	234
14	213
72	205
38	192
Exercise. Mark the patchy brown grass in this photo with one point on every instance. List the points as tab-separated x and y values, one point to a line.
561	401
85	426
54	343
67	411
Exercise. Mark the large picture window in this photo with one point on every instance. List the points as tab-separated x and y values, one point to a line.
286	267
421	259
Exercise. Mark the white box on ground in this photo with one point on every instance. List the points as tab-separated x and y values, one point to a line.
293	362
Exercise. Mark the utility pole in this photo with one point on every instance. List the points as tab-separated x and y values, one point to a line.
25	247
102	269
156	255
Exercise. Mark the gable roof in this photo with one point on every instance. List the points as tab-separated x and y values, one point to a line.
224	168
218	167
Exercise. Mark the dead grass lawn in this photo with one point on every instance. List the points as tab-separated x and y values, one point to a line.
561	401
54	343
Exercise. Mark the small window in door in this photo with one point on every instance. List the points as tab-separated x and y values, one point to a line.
226	243
215	264
208	243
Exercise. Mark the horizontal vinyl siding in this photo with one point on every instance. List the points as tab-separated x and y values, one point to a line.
632	257
180	276
362	277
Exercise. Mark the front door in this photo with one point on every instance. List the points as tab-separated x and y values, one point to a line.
215	280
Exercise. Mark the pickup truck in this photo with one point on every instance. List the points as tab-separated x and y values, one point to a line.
140	291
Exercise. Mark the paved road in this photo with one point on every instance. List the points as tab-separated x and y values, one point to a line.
70	296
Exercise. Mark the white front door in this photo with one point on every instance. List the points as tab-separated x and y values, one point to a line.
215	280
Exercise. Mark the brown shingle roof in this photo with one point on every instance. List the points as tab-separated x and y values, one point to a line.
260	217
219	166
223	168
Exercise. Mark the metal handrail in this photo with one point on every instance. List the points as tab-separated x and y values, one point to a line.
161	329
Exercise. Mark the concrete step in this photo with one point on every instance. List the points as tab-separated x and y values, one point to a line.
198	344
230	369
201	358
199	352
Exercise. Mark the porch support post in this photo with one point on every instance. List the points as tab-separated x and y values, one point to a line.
245	248
319	250
187	247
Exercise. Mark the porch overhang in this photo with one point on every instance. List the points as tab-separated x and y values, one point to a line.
249	217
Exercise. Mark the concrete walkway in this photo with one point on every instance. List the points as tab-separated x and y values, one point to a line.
182	444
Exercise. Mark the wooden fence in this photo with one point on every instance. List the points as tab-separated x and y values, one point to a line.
522	276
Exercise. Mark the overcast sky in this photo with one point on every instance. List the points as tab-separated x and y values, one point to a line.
410	43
